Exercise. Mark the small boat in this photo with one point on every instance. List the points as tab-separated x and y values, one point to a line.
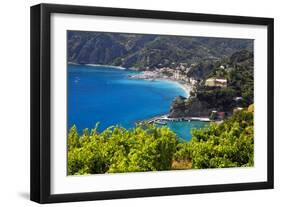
160	122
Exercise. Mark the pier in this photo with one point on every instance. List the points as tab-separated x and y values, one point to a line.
163	119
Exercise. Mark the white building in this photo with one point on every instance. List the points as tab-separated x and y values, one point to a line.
216	82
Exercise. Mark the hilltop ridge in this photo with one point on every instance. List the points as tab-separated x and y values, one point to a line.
148	51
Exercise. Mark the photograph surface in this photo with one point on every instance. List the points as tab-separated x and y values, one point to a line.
149	102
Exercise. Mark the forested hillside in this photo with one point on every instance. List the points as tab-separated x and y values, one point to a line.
141	51
238	71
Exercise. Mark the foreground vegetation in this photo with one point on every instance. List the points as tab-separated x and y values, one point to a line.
144	148
149	148
230	144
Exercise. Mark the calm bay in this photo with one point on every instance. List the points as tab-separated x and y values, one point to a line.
106	95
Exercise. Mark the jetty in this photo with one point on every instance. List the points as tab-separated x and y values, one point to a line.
164	119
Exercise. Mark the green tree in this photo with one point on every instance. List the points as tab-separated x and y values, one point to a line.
230	144
143	148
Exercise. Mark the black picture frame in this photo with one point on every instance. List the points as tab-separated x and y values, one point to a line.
41	99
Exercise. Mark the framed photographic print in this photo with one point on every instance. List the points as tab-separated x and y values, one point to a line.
132	103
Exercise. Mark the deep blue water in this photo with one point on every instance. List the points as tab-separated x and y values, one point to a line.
106	95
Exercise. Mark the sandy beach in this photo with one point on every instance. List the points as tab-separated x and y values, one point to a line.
186	87
154	76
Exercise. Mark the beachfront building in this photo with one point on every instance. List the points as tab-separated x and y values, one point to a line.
177	75
193	81
216	82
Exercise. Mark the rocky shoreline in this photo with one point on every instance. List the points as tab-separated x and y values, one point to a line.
188	107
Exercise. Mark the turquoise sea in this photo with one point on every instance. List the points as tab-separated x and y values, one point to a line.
106	95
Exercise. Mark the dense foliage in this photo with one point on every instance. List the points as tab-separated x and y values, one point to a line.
144	148
137	50
149	148
218	98
238	72
230	144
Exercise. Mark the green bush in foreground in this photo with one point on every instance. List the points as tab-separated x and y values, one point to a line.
144	148
149	148
230	144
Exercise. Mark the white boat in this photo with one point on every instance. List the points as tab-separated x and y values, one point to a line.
160	122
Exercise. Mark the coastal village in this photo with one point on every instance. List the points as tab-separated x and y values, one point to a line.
179	74
190	84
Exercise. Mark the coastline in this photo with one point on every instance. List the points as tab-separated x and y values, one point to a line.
166	117
98	65
185	87
179	88
106	66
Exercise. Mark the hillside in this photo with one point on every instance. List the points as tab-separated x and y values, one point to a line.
148	51
239	91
